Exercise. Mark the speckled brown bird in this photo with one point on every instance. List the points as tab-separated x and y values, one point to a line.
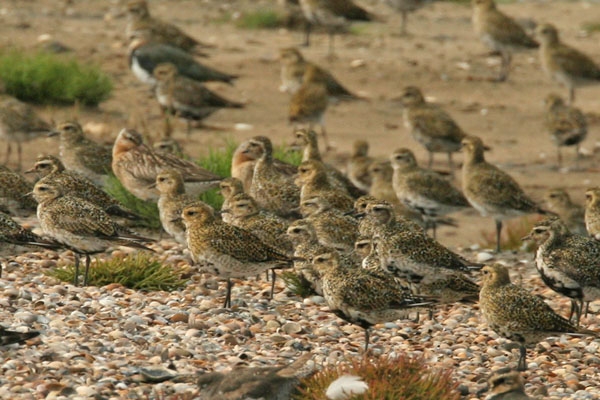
357	167
14	237
500	33
139	21
15	193
82	155
226	250
312	181
423	190
559	202
430	125
169	145
306	245
492	191
273	190
569	264
11	337
592	212
229	187
363	298
52	171
519	315
566	124
381	215
80	225
171	201
564	64
136	166
506	384
186	98
19	123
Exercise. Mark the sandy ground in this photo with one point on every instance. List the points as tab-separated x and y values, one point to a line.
442	56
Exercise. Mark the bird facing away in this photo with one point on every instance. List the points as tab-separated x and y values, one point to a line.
592	212
404	7
492	191
430	125
145	56
500	33
228	251
363	298
309	103
566	124
358	165
82	155
136	165
229	187
184	97
15	193
173	198
14	235
518	315
52	171
313	181
569	264
80	225
19	123
559	202
265	383
139	21
564	64
9	337
506	384
423	190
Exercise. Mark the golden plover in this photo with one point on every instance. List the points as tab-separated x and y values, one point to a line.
10	337
500	33
13	235
564	64
569	264
506	384
136	166
333	228
79	225
404	7
306	245
19	123
82	155
52	171
566	124
171	202
381	215
15	193
186	98
592	212
169	145
312	181
358	165
559	202
361	297
139	20
517	314
229	187
492	191
423	190
430	125
229	251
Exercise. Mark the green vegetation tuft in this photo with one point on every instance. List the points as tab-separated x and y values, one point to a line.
591	27
138	271
262	18
401	378
148	210
49	79
297	284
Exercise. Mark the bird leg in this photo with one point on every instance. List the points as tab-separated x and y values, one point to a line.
451	164
307	28
20	156
273	278
522	365
76	275
8	151
330	54
430	160
571	95
559	157
498	231
87	269
505	66
227	303
366	340
403	23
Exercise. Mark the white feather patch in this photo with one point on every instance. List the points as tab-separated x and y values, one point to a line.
346	386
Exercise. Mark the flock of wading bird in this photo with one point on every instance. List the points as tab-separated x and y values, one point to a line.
357	237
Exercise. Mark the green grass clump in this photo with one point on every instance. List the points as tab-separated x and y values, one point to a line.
138	271
148	210
297	284
591	27
263	18
49	79
402	378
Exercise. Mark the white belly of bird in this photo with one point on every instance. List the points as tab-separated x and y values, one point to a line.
141	73
226	266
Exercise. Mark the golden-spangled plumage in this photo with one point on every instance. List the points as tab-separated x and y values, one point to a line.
79	225
226	250
19	123
229	187
313	181
272	189
592	212
169	145
82	155
506	384
559	202
361	297
139	21
136	166
52	171
358	165
15	192
184	97
381	219
566	124
492	191
564	64
517	314
500	33
303	236
13	235
309	103
430	125
568	263
171	201
423	190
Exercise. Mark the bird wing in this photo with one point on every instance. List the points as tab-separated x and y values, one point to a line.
96	157
505	30
244	246
435	122
574	61
309	101
82	218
